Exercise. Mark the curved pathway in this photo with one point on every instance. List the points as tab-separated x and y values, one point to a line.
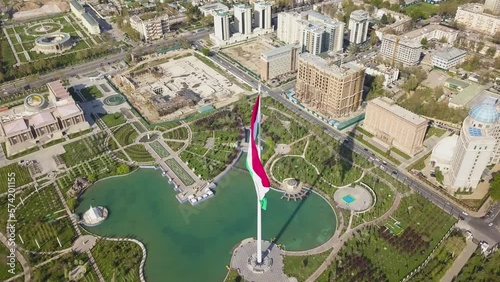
144	253
20	258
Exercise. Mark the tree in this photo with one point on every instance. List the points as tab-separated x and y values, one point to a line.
91	178
205	51
72	203
439	175
491	52
207	20
123	169
496	37
479	46
495	187
384	19
424	42
184	43
373	38
448	8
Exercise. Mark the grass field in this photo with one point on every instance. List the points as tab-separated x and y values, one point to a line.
159	149
125	135
4	274
84	149
180	172
180	133
301	267
57	270
421	10
175	146
123	264
138	153
91	93
113	119
20	175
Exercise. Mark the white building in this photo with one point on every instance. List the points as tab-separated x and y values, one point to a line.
475	146
221	26
473	18
400	50
243	18
262	15
278	61
88	21
493	6
358	26
432	32
442	153
151	29
291	26
390	74
212	8
448	58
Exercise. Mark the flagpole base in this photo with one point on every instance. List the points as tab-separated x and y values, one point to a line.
261	267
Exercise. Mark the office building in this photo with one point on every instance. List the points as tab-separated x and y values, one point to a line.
448	58
358	26
400	50
262	15
471	16
221	26
243	18
88	21
493	6
327	88
279	61
436	32
395	126
476	145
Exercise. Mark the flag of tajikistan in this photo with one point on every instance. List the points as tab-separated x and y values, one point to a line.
254	164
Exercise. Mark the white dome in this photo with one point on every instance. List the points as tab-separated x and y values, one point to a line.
443	151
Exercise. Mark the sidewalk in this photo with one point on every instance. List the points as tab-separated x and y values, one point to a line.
459	263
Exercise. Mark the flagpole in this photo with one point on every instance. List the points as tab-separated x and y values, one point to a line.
259	212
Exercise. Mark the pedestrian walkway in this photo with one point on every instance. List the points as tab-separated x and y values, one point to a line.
20	258
459	262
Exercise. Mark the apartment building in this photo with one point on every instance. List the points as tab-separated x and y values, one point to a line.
150	28
432	32
291	26
448	58
243	18
358	26
473	18
279	61
221	25
212	8
327	88
395	125
400	50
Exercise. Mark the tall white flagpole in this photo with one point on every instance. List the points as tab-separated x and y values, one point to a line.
259	221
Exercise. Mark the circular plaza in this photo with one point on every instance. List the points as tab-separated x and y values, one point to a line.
358	198
43	28
114	100
34	103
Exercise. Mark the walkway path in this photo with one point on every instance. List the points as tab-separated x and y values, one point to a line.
20	258
11	46
459	262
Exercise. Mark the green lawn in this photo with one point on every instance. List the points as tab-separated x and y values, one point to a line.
4	268
53	142
84	149
79	133
125	135
57	270
179	171
233	276
480	268
301	267
180	133
91	93
118	261
175	146
159	149
19	174
434	131
138	153
113	119
401	153
420	163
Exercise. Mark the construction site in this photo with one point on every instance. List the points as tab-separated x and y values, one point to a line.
174	86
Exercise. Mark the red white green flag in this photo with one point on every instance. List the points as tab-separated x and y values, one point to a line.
254	163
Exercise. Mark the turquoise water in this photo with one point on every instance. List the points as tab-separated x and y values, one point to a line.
348	199
188	243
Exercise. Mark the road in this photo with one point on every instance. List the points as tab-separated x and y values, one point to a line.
18	85
478	226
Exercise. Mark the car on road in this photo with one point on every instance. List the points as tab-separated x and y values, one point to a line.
465	213
491	224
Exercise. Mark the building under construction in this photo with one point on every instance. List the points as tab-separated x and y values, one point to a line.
165	105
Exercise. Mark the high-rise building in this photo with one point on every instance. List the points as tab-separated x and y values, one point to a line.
278	61
395	125
493	6
262	15
221	25
332	90
476	145
291	26
243	18
401	50
312	40
358	26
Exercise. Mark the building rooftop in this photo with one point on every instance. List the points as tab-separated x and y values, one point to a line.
427	29
58	89
214	6
458	82
14	127
279	50
67	110
42	119
449	53
263	3
77	5
445	147
359	15
221	13
392	107
485	112
402	41
330	67
90	19
242	6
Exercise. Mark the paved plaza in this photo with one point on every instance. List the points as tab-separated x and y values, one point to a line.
357	198
247	248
